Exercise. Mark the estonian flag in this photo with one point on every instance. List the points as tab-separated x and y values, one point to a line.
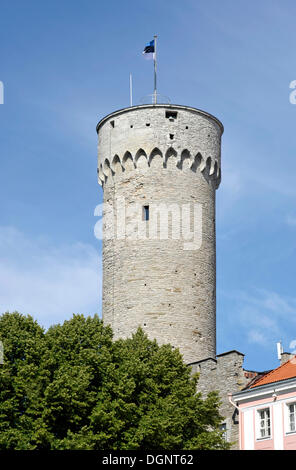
149	50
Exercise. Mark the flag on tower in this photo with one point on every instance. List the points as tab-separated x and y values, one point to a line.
150	53
149	50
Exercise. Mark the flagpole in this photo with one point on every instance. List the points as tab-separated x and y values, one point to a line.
131	90
155	69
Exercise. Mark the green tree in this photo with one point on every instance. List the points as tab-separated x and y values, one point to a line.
72	387
21	380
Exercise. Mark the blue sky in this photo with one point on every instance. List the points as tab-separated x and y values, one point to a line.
65	65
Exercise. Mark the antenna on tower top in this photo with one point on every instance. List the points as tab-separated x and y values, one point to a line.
131	90
279	350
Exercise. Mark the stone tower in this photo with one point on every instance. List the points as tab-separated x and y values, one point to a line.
159	166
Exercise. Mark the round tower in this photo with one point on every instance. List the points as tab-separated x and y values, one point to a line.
159	166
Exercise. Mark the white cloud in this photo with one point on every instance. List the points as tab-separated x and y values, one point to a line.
256	337
291	220
50	283
264	316
278	304
270	301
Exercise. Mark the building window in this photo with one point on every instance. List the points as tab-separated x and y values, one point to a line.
291	417
264	423
145	212
171	114
223	428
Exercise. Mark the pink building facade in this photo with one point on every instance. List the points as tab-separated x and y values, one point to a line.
267	411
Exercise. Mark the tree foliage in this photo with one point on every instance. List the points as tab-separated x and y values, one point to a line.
73	387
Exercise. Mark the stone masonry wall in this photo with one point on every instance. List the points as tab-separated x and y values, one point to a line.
224	374
150	158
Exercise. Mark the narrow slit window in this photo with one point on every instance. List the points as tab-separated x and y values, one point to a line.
171	136
145	212
112	123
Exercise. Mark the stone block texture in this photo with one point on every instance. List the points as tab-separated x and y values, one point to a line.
225	375
160	156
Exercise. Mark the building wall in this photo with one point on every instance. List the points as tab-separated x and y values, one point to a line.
281	438
167	286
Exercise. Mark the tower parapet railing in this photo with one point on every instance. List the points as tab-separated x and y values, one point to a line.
160	99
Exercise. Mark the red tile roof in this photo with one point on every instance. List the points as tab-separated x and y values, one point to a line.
255	379
283	372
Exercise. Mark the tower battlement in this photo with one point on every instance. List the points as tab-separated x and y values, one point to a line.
163	135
